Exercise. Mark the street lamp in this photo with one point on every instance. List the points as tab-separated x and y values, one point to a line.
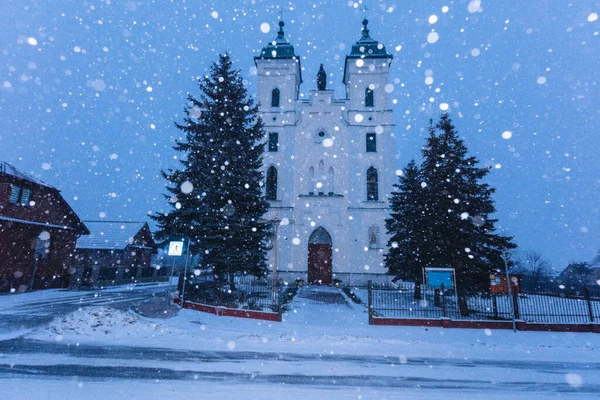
503	256
276	222
185	277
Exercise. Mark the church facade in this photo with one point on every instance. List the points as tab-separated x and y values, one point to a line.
329	164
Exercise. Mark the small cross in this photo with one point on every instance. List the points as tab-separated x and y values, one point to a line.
365	9
280	12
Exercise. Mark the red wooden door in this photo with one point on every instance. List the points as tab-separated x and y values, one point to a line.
319	264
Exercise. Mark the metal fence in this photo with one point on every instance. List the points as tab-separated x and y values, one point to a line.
548	306
248	293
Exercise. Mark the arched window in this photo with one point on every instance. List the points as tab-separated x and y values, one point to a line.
311	181
275	98
373	237
330	180
369	100
372	185
321	179
271	184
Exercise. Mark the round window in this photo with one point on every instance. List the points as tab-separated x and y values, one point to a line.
319	136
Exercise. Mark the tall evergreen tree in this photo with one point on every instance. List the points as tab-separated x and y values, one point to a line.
406	229
456	226
460	208
216	196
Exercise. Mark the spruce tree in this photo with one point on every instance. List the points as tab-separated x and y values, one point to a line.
406	230
442	216
460	207
216	196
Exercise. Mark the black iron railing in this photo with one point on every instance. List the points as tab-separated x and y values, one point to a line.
548	306
246	293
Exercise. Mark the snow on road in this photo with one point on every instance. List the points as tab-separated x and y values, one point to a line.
324	347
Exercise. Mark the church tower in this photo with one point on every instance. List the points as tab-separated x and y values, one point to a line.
279	78
328	164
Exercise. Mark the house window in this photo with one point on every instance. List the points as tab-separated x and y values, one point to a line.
369	100
275	98
373	237
271	183
273	141
19	195
15	193
25	196
372	185
371	143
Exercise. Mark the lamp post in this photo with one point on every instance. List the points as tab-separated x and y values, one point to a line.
187	256
275	222
514	325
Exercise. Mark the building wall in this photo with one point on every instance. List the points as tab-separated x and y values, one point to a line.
18	240
45	204
346	214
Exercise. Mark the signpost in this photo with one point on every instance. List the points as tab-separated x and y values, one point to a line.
187	257
175	250
441	279
437	277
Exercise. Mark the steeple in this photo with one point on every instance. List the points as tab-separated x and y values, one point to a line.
365	32
279	48
367	46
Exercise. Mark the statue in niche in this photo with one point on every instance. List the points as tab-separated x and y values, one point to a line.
321	79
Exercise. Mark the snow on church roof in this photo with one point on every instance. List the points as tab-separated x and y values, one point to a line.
106	235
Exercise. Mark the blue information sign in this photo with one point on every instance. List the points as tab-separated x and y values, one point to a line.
437	276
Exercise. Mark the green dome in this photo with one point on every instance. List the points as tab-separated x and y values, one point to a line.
367	46
280	48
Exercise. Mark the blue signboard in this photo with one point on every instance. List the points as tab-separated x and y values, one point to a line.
437	277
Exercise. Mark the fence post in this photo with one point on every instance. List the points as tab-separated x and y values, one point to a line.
586	293
515	300
444	310
370	299
495	303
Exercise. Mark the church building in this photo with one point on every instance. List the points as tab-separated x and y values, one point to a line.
329	164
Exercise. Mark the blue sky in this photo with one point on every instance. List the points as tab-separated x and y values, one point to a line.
89	91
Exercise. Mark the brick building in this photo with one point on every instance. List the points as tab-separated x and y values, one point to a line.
38	231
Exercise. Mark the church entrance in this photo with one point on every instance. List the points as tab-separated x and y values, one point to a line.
319	258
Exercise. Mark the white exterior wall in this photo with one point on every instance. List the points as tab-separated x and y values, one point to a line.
347	215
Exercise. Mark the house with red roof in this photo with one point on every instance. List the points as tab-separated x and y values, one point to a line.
38	232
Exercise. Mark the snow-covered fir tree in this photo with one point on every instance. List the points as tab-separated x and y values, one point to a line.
453	221
216	196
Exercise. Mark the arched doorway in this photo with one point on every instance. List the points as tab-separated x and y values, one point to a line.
319	258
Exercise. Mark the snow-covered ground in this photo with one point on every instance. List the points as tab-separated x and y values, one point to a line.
318	350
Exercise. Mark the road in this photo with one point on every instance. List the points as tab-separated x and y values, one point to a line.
34	369
25	359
